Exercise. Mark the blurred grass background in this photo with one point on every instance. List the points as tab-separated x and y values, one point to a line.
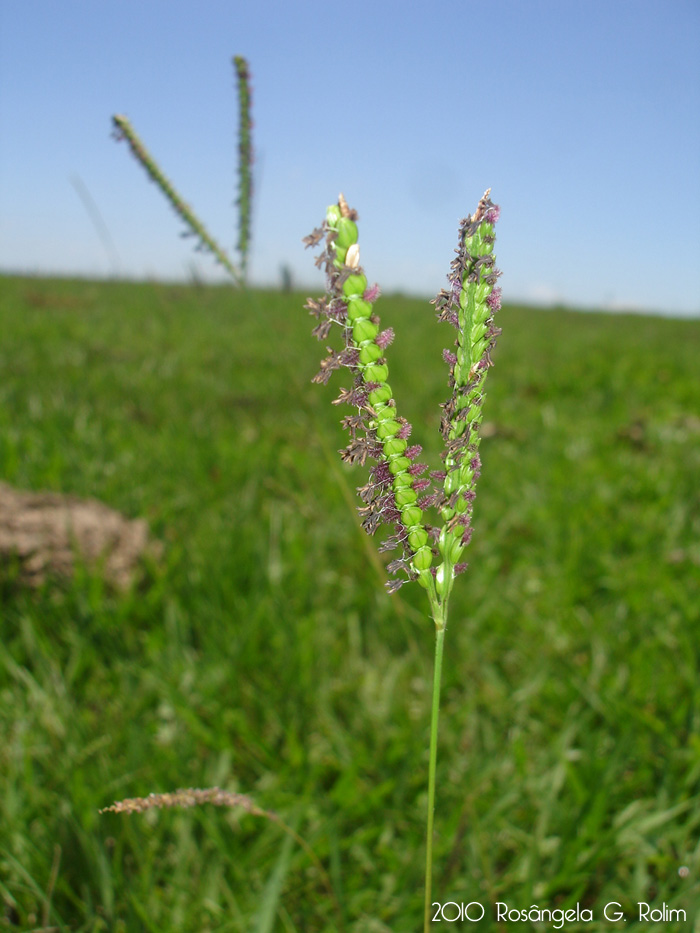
263	655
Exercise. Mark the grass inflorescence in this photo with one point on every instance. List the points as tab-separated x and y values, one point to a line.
123	130
244	201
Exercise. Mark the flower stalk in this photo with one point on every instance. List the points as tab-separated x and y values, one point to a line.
398	494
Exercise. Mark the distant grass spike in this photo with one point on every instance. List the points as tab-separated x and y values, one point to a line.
124	130
195	796
244	201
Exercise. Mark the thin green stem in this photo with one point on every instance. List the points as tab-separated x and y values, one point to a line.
439	609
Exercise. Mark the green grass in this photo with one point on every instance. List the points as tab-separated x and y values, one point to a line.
264	656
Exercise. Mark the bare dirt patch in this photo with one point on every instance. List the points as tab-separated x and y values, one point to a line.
45	533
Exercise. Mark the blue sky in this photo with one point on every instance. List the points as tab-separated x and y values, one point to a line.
582	116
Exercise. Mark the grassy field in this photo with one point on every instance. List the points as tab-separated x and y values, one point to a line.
262	654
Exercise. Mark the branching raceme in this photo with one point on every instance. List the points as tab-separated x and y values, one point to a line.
398	492
123	130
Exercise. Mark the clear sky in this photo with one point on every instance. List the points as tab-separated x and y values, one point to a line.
583	116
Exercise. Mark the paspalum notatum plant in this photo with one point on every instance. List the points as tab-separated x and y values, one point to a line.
400	490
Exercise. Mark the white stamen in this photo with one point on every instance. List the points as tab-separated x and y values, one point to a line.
352	258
